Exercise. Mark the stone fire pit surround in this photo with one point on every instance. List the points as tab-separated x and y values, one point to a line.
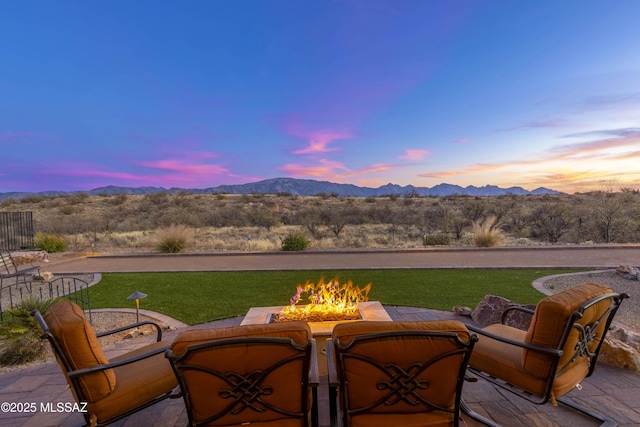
369	311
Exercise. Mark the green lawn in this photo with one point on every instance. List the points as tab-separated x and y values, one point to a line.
198	297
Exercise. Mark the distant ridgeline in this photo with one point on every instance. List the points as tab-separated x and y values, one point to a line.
303	187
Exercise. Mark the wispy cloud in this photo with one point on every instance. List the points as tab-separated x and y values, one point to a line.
599	101
334	170
186	167
324	168
583	161
546	123
414	154
15	137
615	133
319	141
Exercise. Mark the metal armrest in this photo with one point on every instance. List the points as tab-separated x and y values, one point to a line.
534	347
21	272
515	308
334	379
122	362
334	383
133	325
314	373
314	382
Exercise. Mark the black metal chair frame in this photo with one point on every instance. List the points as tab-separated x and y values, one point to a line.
247	388
75	375
11	269
401	383
587	335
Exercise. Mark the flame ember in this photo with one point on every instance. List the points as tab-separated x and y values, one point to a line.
328	301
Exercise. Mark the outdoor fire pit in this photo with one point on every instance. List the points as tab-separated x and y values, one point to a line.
323	297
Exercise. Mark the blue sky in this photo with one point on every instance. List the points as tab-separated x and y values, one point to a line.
195	94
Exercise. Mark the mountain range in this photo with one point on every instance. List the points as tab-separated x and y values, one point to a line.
302	187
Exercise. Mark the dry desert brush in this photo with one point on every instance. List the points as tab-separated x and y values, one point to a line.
173	239
486	233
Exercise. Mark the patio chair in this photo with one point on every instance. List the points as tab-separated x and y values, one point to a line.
392	374
258	375
9	270
558	350
112	389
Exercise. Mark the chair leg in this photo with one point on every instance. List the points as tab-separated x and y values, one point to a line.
314	408
606	422
333	405
476	416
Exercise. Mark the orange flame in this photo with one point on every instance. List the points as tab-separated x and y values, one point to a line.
325	302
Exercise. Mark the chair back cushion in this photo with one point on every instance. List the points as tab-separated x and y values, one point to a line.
231	383
78	341
299	332
550	320
400	371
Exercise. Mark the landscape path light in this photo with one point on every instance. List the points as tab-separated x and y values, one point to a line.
137	296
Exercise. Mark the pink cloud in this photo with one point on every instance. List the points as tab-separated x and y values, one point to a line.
319	142
184	167
581	166
332	170
380	167
325	168
414	154
471	169
462	141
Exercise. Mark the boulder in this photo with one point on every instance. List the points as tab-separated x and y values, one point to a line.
33	257
462	310
46	276
490	309
621	349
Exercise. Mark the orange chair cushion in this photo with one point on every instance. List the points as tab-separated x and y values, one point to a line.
138	383
549	320
299	332
204	389
345	332
368	383
504	360
80	345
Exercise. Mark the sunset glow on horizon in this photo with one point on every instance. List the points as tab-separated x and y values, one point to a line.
200	94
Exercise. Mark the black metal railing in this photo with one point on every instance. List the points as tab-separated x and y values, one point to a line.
16	230
72	288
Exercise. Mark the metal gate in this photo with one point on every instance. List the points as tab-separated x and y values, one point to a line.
16	230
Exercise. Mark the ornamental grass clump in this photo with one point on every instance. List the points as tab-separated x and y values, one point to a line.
486	233
174	239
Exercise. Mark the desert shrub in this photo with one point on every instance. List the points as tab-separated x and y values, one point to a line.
486	234
20	334
50	243
173	239
436	239
118	199
467	238
295	242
